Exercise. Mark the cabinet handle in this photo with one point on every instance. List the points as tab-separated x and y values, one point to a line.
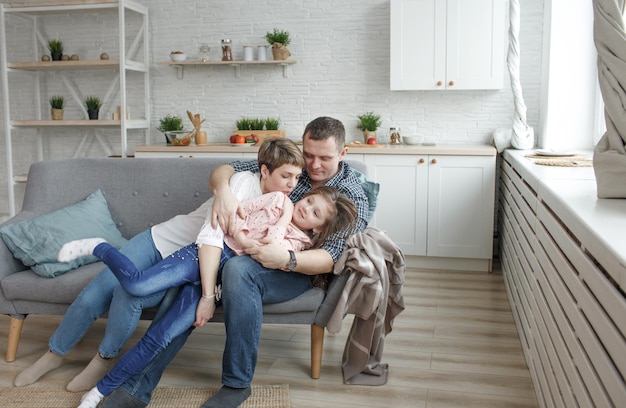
434	161
181	156
451	83
439	83
422	160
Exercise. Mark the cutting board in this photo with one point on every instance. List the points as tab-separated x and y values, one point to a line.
366	145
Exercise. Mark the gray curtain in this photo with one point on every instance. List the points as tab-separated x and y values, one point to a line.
609	159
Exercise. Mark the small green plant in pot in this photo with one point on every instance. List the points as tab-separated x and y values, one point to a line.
369	122
93	104
272	123
170	123
243	124
279	40
257	124
56	49
57	103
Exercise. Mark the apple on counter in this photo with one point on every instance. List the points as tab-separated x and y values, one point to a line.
372	140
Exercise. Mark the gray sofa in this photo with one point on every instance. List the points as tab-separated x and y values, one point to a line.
140	193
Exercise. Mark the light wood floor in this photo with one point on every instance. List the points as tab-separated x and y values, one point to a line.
455	345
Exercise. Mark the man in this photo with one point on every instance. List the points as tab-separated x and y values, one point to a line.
265	276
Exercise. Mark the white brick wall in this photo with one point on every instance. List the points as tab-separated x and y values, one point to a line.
342	49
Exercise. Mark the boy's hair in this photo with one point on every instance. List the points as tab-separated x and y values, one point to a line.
275	152
323	128
343	219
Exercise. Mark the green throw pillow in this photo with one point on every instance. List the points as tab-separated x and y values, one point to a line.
371	189
36	242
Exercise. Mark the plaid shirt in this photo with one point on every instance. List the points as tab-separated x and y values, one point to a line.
345	181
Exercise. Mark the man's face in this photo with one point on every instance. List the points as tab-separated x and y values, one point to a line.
282	179
321	159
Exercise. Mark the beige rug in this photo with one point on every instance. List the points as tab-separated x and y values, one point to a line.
560	161
263	396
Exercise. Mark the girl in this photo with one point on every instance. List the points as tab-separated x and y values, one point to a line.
271	217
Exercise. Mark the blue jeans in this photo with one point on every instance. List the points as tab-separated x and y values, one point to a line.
177	269
246	286
104	293
179	317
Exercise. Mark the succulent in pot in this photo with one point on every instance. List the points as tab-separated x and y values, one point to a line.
93	104
56	49
170	123
279	40
369	122
57	103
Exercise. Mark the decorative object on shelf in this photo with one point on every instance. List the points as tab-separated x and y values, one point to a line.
45	58
93	107
57	102
170	123
227	51
394	135
181	138
248	53
279	40
104	56
74	57
204	52
369	122
65	57
412	140
251	129
261	53
56	49
197	122
178	56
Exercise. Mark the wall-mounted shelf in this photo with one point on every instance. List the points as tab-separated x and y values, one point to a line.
180	66
82	65
130	124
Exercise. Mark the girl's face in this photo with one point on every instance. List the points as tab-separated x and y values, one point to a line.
282	179
312	212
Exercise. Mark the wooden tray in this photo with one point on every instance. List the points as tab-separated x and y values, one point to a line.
379	145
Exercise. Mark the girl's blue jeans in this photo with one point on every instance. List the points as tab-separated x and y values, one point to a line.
180	268
104	293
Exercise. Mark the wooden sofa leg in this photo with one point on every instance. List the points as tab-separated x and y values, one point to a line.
317	346
15	331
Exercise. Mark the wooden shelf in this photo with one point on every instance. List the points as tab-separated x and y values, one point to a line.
180	66
69	65
67	6
130	124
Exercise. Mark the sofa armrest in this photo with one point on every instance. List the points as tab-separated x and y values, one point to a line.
333	294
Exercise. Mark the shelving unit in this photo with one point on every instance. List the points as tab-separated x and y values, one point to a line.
180	66
132	56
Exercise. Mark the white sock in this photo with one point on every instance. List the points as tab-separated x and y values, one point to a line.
75	249
91	399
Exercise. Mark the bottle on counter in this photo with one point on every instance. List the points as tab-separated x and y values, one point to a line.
394	135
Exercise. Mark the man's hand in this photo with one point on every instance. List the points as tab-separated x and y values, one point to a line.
272	255
204	311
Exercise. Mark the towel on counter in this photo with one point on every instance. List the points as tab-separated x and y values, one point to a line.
373	294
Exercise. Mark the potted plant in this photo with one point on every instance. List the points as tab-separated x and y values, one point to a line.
93	106
369	122
170	123
56	49
57	102
279	40
272	123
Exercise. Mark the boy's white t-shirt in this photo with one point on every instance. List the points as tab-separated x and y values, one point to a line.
182	230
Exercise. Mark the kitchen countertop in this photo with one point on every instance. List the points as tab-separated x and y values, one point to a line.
443	149
571	192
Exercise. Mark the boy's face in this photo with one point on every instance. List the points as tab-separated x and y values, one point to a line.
312	212
282	179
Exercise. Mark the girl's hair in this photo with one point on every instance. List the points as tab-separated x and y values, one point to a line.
276	152
343	219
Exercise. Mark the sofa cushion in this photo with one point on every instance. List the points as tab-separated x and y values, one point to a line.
37	241
371	189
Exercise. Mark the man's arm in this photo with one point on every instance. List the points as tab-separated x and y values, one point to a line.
225	205
308	262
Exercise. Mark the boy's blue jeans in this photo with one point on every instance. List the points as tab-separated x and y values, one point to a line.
104	293
246	286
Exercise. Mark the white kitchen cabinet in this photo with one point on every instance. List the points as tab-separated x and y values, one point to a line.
447	44
436	205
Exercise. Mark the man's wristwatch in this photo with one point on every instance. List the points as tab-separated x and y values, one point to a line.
292	261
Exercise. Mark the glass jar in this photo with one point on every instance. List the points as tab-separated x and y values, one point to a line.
394	135
227	52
